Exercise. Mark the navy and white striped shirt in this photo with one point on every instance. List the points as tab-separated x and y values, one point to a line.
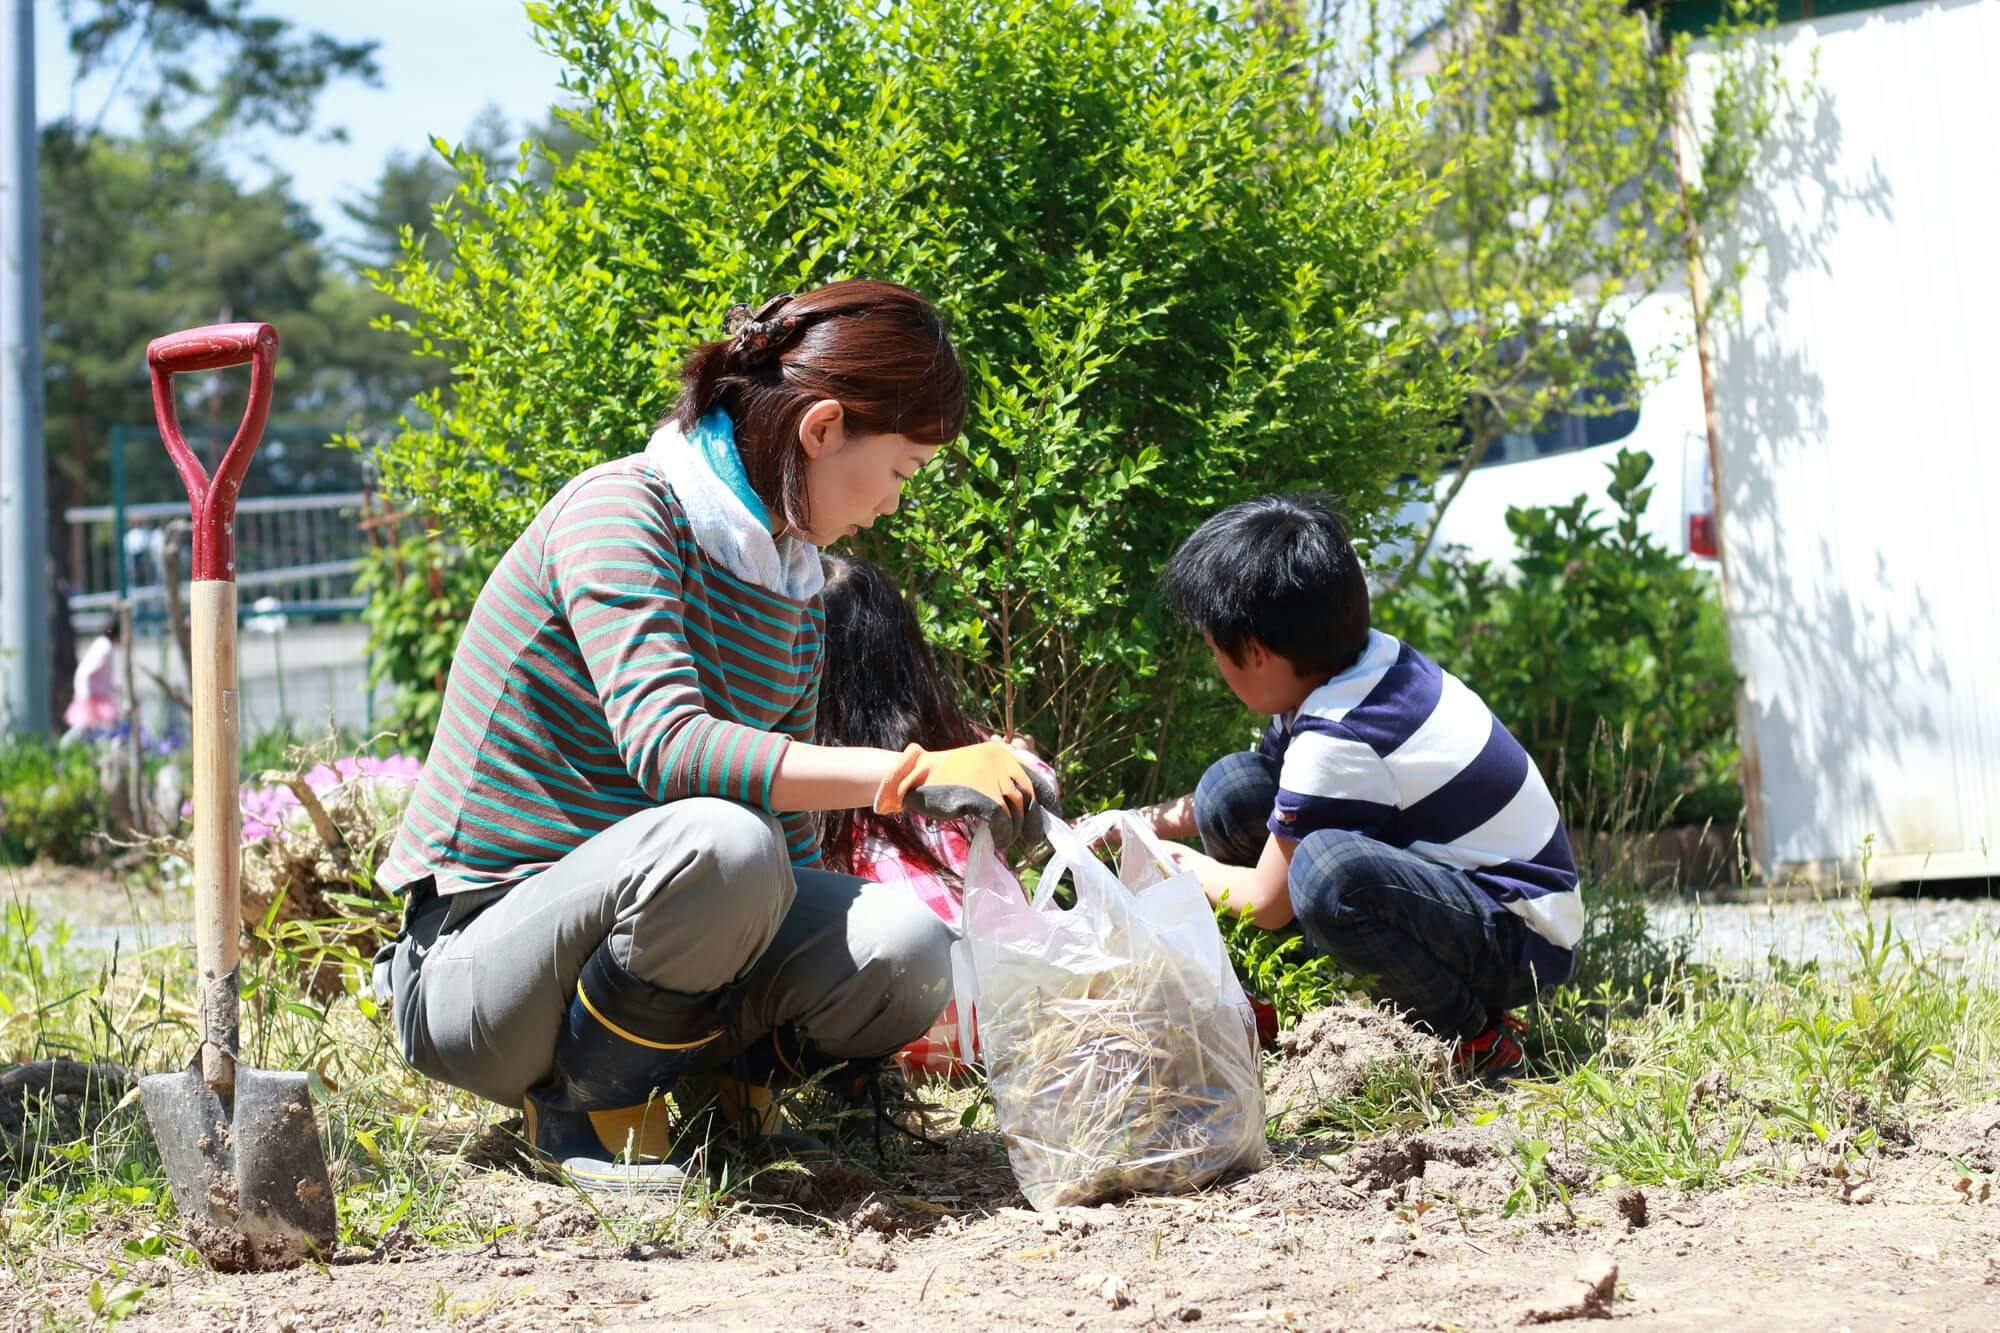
1397	748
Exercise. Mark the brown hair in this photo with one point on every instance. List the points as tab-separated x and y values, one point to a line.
877	348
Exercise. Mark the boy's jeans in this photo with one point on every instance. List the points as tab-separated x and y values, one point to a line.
1419	934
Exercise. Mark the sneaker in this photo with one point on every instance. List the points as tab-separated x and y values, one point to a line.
1493	1057
1515	1024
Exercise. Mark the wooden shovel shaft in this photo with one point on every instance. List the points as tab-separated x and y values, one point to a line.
218	835
218	849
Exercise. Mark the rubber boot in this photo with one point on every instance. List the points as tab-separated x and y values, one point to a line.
742	1098
599	1119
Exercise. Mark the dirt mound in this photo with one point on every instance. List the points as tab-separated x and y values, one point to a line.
53	1101
1333	1053
1300	1177
1476	1165
1972	1138
1384	1163
875	1213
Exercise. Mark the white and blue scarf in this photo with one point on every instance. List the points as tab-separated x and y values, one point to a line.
729	520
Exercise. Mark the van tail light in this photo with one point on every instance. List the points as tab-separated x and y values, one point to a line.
1701	535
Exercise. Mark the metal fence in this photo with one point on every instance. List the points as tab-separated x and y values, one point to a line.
300	537
303	550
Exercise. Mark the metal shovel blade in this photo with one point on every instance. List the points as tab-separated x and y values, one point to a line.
249	1177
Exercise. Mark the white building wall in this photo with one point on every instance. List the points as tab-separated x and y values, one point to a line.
1859	458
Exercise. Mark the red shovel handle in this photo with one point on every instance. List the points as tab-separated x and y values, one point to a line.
212	500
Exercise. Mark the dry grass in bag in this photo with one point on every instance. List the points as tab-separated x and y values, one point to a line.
1121	1084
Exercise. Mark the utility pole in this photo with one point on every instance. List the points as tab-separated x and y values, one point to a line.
24	621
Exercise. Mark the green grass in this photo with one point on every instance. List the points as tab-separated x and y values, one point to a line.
401	1149
1694	1077
1778	1069
1656	1072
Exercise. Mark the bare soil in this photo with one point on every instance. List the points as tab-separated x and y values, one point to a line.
1399	1233
85	894
44	1102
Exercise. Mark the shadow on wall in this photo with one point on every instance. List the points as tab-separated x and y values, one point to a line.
1846	666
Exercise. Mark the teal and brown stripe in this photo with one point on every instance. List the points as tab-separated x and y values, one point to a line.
608	665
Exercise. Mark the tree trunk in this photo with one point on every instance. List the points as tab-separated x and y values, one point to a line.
1482	440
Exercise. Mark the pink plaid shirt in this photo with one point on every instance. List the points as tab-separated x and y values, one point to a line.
936	1053
881	862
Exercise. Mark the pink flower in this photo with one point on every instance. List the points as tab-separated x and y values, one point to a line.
266	806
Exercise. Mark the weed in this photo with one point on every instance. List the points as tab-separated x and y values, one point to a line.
1724	1074
114	1305
1534	1186
1395	1097
1273	965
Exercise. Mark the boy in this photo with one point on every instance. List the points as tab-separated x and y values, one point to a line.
1386	810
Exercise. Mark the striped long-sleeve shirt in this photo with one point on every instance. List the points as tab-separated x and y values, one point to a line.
610	664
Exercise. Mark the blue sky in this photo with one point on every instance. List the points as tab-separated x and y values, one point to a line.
441	60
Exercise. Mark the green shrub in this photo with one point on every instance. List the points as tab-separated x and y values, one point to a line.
419	592
52	802
1604	652
1168	267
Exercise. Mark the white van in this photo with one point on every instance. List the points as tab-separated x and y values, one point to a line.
1570	455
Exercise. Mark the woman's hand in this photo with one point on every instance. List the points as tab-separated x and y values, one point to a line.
1048	791
829	777
986	781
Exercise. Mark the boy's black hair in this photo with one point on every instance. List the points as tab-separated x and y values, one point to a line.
881	686
1278	569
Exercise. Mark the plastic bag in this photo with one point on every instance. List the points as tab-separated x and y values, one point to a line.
1120	1050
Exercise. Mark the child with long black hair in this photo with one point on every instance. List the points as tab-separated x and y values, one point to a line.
882	687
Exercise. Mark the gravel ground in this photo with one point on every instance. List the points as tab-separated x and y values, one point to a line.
1961	931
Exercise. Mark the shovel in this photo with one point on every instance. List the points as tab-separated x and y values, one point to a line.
240	1145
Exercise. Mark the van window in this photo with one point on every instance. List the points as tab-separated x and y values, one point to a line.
1600	413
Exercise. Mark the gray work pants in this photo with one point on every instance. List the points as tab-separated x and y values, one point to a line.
692	897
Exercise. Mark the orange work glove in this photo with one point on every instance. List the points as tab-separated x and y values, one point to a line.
986	781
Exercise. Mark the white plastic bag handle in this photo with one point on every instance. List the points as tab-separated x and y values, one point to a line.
965	985
1141	831
1073	858
1072	845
